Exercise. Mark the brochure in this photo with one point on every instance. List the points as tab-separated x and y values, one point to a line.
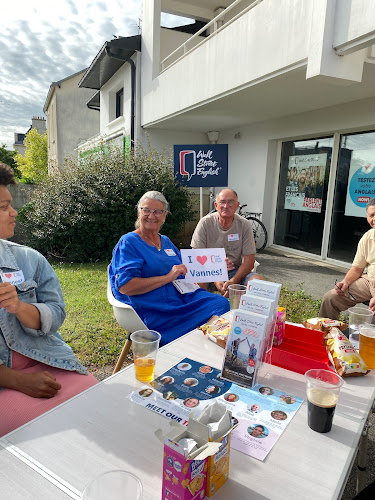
245	347
263	412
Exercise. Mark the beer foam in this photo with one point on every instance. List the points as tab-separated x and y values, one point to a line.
322	398
367	332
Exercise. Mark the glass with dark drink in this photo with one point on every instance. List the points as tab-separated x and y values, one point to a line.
323	388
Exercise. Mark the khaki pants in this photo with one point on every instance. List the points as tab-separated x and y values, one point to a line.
363	289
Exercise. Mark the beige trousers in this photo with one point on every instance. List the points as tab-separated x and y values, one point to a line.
363	289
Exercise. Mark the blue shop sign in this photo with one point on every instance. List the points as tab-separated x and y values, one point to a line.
201	165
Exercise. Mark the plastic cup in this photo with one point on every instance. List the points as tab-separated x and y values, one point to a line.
145	345
235	293
367	344
323	389
358	315
114	484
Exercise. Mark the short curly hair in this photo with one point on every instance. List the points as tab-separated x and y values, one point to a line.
6	175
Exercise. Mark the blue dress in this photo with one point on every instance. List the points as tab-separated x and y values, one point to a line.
163	309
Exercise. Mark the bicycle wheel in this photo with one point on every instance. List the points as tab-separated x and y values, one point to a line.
260	233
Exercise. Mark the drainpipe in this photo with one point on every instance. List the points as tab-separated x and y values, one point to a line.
132	106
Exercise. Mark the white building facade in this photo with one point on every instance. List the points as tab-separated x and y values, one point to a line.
290	87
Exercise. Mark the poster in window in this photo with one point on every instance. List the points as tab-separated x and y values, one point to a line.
305	183
361	182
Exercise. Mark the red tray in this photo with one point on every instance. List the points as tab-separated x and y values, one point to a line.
301	350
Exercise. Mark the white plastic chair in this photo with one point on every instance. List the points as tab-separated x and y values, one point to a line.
127	318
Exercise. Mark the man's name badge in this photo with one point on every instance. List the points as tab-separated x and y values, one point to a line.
14	278
170	252
233	237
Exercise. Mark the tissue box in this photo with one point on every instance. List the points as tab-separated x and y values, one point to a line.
280	326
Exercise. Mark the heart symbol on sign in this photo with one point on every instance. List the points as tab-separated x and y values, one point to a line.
7	275
202	259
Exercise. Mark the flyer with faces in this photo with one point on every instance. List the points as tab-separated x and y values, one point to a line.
263	412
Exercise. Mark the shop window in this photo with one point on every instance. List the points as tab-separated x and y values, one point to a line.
354	187
302	194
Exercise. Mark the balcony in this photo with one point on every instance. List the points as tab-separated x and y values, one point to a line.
258	60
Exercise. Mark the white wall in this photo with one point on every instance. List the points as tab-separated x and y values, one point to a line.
271	36
75	122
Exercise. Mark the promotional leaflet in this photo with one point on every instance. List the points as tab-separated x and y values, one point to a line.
263	412
245	346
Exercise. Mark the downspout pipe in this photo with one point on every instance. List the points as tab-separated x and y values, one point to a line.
132	84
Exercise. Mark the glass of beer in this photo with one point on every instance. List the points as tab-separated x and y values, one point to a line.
323	388
145	345
235	293
367	344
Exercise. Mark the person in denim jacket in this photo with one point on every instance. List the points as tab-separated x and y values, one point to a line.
32	309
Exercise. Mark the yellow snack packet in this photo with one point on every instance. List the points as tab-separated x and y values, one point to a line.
344	357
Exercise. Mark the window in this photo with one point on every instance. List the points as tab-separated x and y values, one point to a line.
119	103
301	203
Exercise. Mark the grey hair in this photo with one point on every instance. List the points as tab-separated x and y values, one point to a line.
370	203
151	195
229	189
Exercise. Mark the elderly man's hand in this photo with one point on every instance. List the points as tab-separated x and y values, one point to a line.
220	286
230	265
341	287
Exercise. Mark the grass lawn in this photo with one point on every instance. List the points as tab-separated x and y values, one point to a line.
91	329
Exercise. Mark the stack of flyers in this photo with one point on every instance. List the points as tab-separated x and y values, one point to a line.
271	291
245	347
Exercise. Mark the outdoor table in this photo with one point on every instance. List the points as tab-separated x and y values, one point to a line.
100	429
19	481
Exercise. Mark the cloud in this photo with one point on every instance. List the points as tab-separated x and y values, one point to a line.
37	48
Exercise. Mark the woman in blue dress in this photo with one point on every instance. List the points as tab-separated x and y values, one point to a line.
143	267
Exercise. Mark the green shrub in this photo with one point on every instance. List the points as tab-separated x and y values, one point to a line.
79	214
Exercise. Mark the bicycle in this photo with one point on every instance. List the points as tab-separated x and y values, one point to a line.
259	229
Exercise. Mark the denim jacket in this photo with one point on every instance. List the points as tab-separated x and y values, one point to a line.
41	288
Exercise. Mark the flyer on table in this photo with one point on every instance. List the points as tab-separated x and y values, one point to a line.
263	412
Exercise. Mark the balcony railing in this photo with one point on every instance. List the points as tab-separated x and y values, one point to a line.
218	25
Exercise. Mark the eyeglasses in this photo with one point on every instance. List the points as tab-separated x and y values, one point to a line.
147	211
230	203
347	291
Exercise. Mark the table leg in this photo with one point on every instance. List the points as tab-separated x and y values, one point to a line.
362	458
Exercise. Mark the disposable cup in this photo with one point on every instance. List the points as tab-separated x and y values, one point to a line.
145	345
114	485
367	344
323	389
235	293
358	315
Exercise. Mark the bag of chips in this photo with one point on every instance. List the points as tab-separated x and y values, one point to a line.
217	329
344	357
324	324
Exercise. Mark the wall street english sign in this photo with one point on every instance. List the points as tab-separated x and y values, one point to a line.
201	165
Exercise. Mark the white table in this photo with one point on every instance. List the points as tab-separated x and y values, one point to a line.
19	481
100	430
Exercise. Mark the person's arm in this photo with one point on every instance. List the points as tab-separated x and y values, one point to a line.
245	268
36	385
27	314
138	286
352	275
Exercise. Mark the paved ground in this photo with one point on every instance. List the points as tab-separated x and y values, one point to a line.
316	279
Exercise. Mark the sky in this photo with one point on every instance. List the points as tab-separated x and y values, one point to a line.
46	41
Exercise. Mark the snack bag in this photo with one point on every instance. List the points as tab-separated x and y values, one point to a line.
217	329
345	358
280	326
324	324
